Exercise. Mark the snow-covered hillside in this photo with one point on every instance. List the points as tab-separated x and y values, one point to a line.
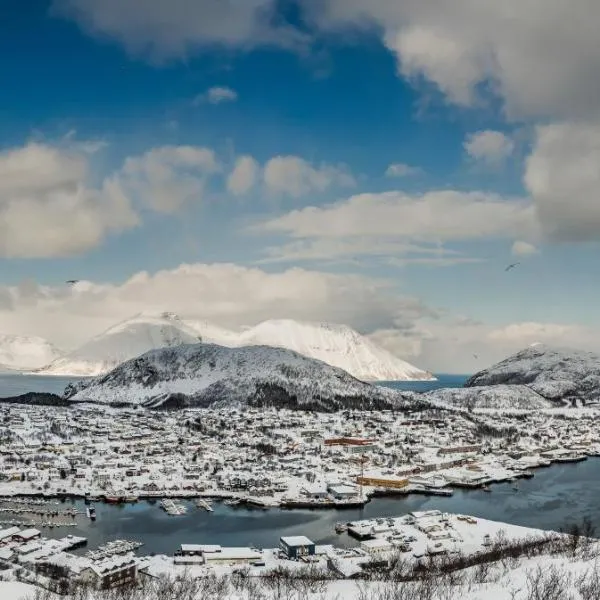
122	342
337	345
21	352
499	397
207	374
562	376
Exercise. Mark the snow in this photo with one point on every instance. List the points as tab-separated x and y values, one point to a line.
337	345
501	397
21	352
559	376
14	590
122	342
208	374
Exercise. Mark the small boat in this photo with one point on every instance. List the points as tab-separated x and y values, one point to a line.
485	488
201	503
92	513
112	499
232	502
341	527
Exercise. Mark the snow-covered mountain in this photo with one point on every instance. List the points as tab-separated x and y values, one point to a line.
122	342
206	374
559	376
21	352
337	345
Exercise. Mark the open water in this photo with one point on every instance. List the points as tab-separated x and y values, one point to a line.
554	498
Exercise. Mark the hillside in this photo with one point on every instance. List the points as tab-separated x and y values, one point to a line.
337	345
23	352
560	376
120	343
203	375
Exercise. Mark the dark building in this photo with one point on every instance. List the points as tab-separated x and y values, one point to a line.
296	546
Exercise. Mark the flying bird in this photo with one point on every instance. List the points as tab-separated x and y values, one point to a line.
512	266
475	356
72	281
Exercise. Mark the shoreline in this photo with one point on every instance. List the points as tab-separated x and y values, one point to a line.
250	502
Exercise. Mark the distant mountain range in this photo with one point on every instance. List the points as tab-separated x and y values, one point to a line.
337	345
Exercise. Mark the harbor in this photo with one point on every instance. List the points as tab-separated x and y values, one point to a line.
553	498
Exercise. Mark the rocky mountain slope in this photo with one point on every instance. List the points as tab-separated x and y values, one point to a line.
557	376
23	352
337	345
120	343
202	375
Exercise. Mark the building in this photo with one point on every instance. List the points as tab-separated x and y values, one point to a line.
232	556
111	573
342	492
296	546
27	535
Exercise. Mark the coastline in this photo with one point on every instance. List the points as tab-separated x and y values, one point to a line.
131	497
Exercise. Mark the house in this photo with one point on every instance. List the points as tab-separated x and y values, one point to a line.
296	546
6	535
27	535
341	491
113	572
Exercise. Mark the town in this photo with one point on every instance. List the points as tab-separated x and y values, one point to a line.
271	458
263	458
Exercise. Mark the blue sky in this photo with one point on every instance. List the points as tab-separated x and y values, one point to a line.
92	123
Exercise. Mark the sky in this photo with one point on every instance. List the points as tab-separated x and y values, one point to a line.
377	163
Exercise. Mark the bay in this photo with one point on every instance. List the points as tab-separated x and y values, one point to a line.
552	499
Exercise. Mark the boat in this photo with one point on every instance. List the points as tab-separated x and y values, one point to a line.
341	527
201	503
131	498
232	502
485	488
112	499
92	513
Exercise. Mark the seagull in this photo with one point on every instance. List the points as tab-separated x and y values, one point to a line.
512	266
475	356
72	281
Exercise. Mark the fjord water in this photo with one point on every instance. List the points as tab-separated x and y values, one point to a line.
554	498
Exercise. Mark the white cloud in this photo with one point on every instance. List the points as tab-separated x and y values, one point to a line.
217	95
438	216
563	177
462	47
168	177
350	249
235	296
176	29
230	295
491	148
244	176
47	207
296	177
520	248
402	170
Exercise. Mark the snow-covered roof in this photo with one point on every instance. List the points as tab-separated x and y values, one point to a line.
296	540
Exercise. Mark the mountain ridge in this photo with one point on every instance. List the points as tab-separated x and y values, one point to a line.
337	345
202	375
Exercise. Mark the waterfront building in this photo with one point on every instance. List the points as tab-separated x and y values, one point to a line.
296	546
